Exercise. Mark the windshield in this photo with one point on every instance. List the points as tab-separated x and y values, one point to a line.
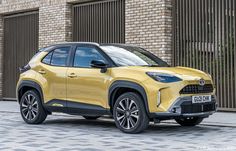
132	56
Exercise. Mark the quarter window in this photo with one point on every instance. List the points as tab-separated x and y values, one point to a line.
84	56
47	59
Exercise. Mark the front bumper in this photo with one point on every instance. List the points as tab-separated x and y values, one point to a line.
183	107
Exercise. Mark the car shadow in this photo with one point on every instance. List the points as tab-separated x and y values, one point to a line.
166	128
81	122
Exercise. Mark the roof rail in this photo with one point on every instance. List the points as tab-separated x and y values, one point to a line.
90	43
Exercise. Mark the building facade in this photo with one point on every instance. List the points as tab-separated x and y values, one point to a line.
181	32
145	23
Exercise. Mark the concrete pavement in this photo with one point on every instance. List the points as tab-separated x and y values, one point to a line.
217	119
62	132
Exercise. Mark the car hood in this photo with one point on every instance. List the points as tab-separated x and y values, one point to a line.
181	72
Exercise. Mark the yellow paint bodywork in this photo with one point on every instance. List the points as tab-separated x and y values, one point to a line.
91	86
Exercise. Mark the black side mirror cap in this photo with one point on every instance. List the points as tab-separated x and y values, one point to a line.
99	64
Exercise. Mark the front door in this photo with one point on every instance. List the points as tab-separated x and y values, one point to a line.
87	86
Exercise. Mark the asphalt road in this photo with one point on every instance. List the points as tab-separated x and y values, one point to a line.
66	133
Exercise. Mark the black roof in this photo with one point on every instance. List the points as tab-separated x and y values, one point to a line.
94	43
86	43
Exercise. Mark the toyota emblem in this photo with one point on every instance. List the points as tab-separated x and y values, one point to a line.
202	82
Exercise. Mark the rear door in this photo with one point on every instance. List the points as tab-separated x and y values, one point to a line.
53	74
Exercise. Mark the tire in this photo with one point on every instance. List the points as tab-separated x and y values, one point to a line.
191	121
31	108
130	114
91	117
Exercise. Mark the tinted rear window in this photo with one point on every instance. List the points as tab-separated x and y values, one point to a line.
57	57
60	56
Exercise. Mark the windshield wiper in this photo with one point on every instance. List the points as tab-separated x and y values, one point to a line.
150	65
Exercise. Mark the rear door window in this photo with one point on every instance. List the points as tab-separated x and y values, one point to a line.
58	57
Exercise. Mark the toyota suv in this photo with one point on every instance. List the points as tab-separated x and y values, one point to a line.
126	82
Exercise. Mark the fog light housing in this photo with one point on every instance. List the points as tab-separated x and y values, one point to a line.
176	110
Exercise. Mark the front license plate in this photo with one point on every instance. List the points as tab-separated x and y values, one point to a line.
201	99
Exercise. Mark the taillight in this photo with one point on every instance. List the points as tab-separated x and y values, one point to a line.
24	68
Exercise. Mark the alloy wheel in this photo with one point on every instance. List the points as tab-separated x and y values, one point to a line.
29	107
127	113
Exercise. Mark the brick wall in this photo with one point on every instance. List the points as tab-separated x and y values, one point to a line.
13	6
149	25
54	24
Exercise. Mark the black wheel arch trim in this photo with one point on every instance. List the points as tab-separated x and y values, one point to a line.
127	84
28	83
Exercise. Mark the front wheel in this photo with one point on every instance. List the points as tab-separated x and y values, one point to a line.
190	121
31	108
129	113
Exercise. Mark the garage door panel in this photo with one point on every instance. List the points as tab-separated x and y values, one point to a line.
206	40
102	22
20	44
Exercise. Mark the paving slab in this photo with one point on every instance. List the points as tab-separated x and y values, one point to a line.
62	132
73	133
217	119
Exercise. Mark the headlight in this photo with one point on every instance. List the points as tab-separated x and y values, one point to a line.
209	75
163	77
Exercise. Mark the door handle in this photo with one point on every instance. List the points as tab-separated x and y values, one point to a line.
42	71
72	75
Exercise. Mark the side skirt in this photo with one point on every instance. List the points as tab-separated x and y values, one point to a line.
76	108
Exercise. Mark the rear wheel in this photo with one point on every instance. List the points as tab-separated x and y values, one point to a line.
129	113
31	108
91	117
190	121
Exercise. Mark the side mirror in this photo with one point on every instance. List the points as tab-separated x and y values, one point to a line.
99	64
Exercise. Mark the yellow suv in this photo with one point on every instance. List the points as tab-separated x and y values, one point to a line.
126	82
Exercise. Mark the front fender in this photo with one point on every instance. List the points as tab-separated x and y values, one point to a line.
127	84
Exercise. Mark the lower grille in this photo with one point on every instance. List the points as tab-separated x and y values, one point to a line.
197	108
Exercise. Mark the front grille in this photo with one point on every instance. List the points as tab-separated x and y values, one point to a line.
195	89
197	108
